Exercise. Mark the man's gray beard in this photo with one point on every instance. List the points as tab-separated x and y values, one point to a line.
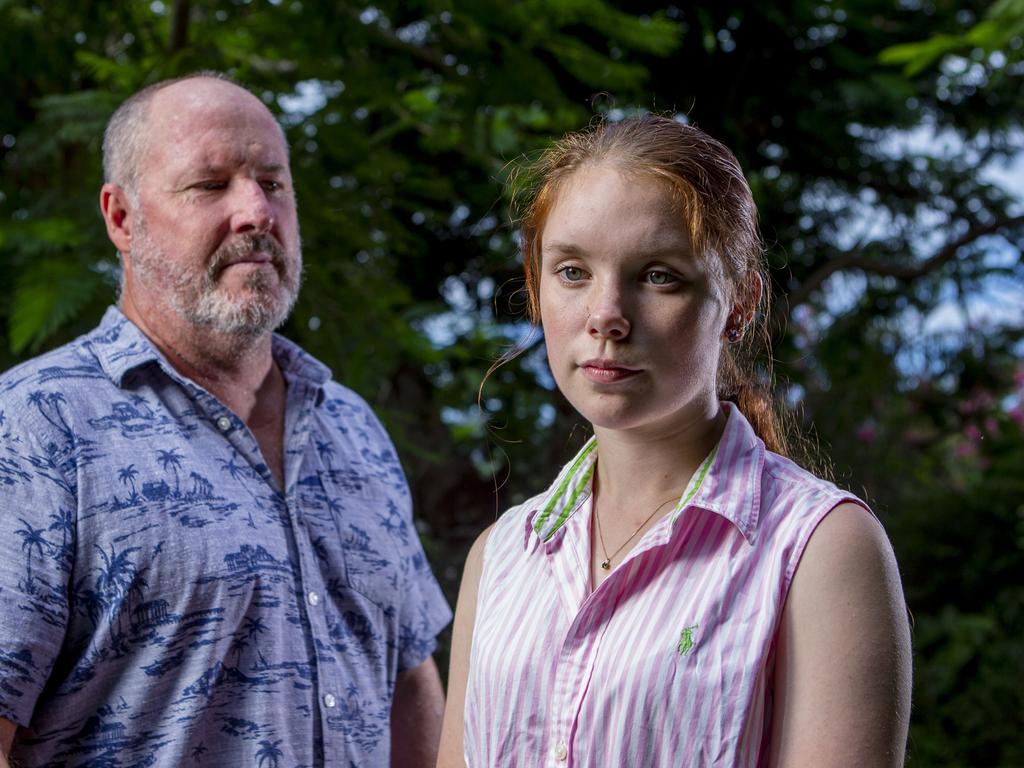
208	307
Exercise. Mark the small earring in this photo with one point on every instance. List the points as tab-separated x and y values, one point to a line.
733	334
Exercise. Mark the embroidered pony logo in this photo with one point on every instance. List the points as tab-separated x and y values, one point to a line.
686	641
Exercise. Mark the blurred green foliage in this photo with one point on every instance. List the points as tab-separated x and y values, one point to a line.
879	139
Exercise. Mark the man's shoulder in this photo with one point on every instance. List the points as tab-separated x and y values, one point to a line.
87	357
71	362
349	411
335	391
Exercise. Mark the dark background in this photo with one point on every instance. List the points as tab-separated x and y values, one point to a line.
883	141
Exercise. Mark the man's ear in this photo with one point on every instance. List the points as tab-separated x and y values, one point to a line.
117	213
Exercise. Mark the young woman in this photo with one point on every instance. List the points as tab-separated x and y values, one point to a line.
683	594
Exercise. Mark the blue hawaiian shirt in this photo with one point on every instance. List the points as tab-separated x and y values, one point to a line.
163	604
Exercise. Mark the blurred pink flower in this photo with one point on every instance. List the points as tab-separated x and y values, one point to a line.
979	400
1017	414
866	432
965	450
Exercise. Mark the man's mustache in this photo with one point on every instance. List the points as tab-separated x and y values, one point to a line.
243	246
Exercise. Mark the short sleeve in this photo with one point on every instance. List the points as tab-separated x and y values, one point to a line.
423	610
37	530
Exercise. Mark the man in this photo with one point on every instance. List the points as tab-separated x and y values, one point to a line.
206	550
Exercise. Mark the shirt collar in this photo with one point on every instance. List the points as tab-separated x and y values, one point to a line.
121	347
727	482
732	487
564	496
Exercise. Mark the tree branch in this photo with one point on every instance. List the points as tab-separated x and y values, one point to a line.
422	53
179	25
854	260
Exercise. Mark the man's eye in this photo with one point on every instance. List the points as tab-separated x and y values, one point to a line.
271	185
660	277
210	186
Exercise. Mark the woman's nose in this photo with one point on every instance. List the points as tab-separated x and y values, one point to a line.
607	319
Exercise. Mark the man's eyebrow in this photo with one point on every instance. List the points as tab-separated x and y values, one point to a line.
216	169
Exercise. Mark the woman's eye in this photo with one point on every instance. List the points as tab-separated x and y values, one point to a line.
571	274
659	277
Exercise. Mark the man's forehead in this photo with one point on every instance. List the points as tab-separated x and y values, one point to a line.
199	92
215	124
199	104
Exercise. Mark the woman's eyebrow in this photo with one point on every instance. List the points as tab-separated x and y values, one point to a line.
674	249
567	249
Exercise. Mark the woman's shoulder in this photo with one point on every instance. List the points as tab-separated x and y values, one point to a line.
782	479
518	519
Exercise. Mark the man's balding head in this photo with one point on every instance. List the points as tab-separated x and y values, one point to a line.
125	139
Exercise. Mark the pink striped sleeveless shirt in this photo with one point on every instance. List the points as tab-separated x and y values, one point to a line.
669	661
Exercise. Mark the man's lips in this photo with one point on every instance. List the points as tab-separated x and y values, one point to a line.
607	371
252	260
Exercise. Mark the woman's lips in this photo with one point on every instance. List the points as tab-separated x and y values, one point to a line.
607	371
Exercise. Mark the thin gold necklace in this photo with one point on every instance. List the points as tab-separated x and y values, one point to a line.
606	564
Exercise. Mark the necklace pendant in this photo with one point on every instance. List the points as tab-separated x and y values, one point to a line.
606	565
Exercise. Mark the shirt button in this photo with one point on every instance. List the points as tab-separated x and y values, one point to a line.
561	751
223	423
329	701
313	598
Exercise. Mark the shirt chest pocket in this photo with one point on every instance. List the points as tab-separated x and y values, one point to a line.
360	536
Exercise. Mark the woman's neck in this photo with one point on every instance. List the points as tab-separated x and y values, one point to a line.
635	472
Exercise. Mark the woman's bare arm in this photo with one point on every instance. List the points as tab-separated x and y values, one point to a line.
451	754
7	729
843	666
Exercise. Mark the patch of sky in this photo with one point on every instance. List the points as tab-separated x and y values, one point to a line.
462	417
308	98
415	33
725	41
1007	173
485	224
459	215
994	301
793	394
998	305
842	291
824	34
485	289
536	363
446	328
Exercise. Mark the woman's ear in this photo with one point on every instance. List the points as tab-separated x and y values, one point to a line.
754	293
744	308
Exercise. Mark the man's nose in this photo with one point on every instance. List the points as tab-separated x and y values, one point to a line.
253	212
607	319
